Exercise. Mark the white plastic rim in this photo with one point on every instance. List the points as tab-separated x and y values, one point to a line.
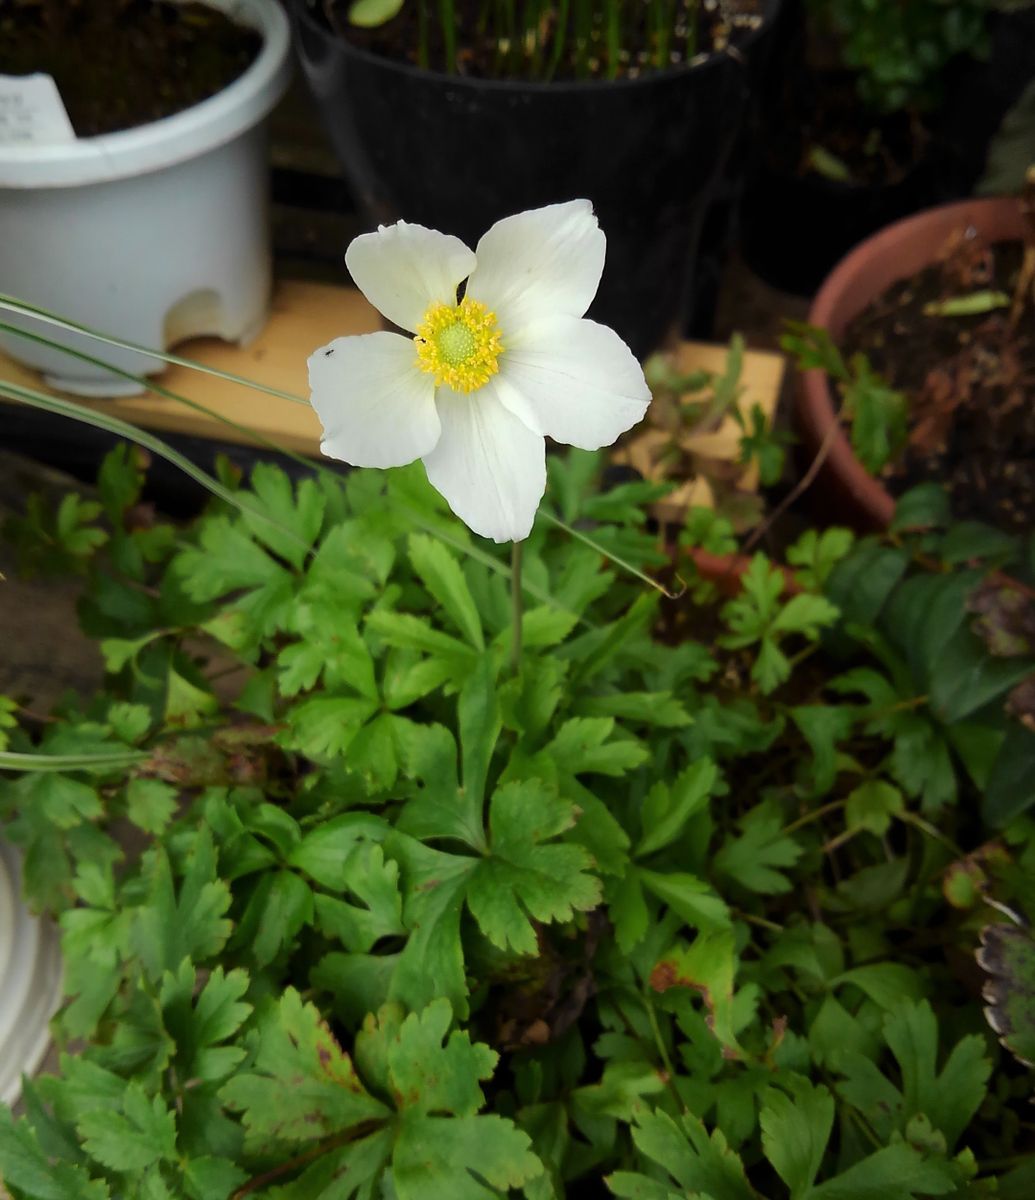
184	135
30	981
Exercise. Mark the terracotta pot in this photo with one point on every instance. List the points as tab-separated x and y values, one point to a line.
846	489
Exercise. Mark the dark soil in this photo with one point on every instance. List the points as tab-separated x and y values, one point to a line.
821	111
497	50
123	63
970	381
813	103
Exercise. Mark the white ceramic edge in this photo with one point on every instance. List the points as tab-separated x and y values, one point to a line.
36	1039
36	989
186	134
8	911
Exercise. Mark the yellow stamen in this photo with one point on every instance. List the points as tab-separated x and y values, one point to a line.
459	344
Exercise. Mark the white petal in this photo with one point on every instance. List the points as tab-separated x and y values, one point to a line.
489	466
376	406
403	268
574	380
540	262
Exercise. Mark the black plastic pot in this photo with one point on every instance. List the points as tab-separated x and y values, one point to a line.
795	228
457	154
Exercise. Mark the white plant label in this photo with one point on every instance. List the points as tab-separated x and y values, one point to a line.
32	112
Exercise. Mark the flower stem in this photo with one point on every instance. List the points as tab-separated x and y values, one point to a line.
516	603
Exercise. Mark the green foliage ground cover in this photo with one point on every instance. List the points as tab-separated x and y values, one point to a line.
690	907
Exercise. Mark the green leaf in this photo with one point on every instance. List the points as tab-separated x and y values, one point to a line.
478	716
947	1099
430	1075
277	910
700	1166
898	1172
969	305
225	560
150	804
877	413
8	720
57	799
966	677
861	584
823	727
528	876
887	984
816	553
324	852
707	966
755	858
666	810
302	1085
693	899
925	506
442	808
872	805
1007	956
189	923
144	1132
407	632
647	708
324	726
368	14
199	1025
804	614
211	1178
1010	790
293	516
796	1127
372	753
25	1165
441	575
581	746
432	962
374	881
438	1158
338	655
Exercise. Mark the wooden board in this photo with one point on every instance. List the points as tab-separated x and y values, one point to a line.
307	315
303	317
760	379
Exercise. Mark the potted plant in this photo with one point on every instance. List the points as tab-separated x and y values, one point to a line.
670	903
451	123
141	210
951	282
861	128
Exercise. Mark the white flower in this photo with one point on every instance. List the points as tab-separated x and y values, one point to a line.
482	380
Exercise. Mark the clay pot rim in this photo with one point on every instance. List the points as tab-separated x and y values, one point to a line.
816	401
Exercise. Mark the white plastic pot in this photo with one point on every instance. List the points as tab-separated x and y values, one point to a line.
30	981
153	234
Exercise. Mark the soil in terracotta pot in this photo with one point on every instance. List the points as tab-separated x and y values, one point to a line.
487	50
970	381
123	63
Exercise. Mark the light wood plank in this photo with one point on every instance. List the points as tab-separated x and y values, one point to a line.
307	315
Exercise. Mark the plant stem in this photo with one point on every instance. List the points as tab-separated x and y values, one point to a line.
448	15
516	603
560	35
659	1042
